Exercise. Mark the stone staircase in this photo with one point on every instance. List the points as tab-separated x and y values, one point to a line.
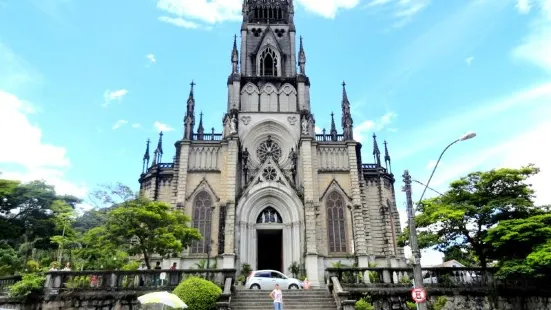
245	299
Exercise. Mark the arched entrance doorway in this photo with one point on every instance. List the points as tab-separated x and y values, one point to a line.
269	220
269	236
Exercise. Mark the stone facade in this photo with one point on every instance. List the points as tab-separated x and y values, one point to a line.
268	181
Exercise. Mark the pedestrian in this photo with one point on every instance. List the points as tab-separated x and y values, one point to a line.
277	296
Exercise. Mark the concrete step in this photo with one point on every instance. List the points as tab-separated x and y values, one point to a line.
245	299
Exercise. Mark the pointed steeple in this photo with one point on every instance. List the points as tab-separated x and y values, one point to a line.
234	56
200	129
189	120
302	58
387	159
146	156
376	151
347	122
333	128
159	149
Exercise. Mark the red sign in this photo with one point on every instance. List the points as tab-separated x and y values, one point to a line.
419	295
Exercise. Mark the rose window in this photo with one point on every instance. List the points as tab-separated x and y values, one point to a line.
269	173
268	148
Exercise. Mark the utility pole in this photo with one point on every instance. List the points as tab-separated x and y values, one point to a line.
416	253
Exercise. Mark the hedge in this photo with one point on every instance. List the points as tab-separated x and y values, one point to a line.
198	293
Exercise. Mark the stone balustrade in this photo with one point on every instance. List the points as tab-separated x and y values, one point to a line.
6	282
144	280
469	279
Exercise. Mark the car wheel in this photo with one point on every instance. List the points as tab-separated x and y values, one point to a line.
293	287
255	287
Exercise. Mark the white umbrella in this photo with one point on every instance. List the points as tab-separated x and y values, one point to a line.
163	298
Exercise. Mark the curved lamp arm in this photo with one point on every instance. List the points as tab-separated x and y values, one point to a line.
466	136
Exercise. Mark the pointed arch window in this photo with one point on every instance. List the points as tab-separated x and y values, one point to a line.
268	63
202	218
336	229
269	215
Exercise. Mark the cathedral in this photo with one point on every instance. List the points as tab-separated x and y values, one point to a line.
269	191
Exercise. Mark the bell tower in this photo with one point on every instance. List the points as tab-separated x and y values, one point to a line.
265	66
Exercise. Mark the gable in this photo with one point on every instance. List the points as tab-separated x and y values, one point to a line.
268	40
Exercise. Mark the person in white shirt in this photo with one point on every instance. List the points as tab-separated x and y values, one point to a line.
277	296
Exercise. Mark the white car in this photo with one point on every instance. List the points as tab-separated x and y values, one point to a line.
267	279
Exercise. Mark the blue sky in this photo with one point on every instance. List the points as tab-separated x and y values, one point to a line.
83	84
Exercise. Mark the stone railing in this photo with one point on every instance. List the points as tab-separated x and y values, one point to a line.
329	137
6	282
146	280
402	277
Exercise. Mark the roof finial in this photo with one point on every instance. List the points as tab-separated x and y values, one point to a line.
387	159
333	131
189	119
200	129
347	122
376	151
146	156
159	149
234	55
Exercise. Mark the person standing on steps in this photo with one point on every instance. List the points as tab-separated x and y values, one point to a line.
277	296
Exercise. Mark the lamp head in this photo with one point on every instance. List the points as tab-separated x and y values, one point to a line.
467	136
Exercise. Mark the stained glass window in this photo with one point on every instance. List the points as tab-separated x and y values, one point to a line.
336	228
269	215
202	216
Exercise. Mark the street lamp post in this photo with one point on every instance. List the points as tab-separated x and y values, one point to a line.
416	253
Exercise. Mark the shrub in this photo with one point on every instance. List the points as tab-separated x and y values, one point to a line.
363	304
30	283
198	294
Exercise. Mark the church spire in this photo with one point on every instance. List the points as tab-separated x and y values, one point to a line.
387	159
376	151
347	121
302	58
146	156
333	128
234	56
189	120
200	129
159	149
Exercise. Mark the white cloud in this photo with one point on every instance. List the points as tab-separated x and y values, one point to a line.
151	58
110	96
402	10
469	60
192	14
118	124
327	8
162	127
24	138
536	45
524	6
210	12
136	125
29	158
365	128
180	22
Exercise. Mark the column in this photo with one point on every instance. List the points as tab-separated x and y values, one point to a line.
230	191
309	212
357	221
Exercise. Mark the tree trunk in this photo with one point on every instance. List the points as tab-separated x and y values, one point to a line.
146	259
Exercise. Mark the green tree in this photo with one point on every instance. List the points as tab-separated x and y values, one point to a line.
100	252
8	259
461	217
63	217
522	246
149	227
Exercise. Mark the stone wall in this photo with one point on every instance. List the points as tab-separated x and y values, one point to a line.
471	302
78	301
